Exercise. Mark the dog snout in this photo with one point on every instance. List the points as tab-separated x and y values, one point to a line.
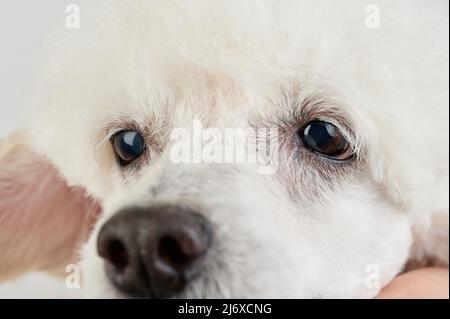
154	252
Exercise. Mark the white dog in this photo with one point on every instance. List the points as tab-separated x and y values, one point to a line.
358	91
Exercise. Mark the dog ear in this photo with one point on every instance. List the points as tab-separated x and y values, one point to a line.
43	221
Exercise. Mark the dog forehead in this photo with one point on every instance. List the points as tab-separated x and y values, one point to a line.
210	59
158	56
172	43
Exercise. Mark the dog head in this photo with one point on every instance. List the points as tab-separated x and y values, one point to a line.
130	91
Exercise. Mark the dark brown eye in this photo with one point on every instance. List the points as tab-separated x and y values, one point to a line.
326	139
128	146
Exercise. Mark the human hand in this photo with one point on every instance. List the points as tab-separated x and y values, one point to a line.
425	283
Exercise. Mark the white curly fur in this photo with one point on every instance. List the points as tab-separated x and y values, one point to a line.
313	228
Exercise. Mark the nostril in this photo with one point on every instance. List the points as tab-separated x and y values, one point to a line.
171	252
118	255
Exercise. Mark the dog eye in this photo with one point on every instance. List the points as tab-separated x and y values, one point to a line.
128	146
326	139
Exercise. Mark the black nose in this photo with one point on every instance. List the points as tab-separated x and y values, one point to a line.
154	252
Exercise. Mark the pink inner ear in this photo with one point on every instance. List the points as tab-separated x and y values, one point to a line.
43	222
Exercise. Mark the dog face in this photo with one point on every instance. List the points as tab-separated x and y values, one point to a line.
333	207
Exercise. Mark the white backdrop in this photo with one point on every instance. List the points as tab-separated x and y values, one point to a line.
24	27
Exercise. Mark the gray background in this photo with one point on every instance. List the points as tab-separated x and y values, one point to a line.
25	26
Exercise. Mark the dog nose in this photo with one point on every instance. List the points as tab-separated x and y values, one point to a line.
154	252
